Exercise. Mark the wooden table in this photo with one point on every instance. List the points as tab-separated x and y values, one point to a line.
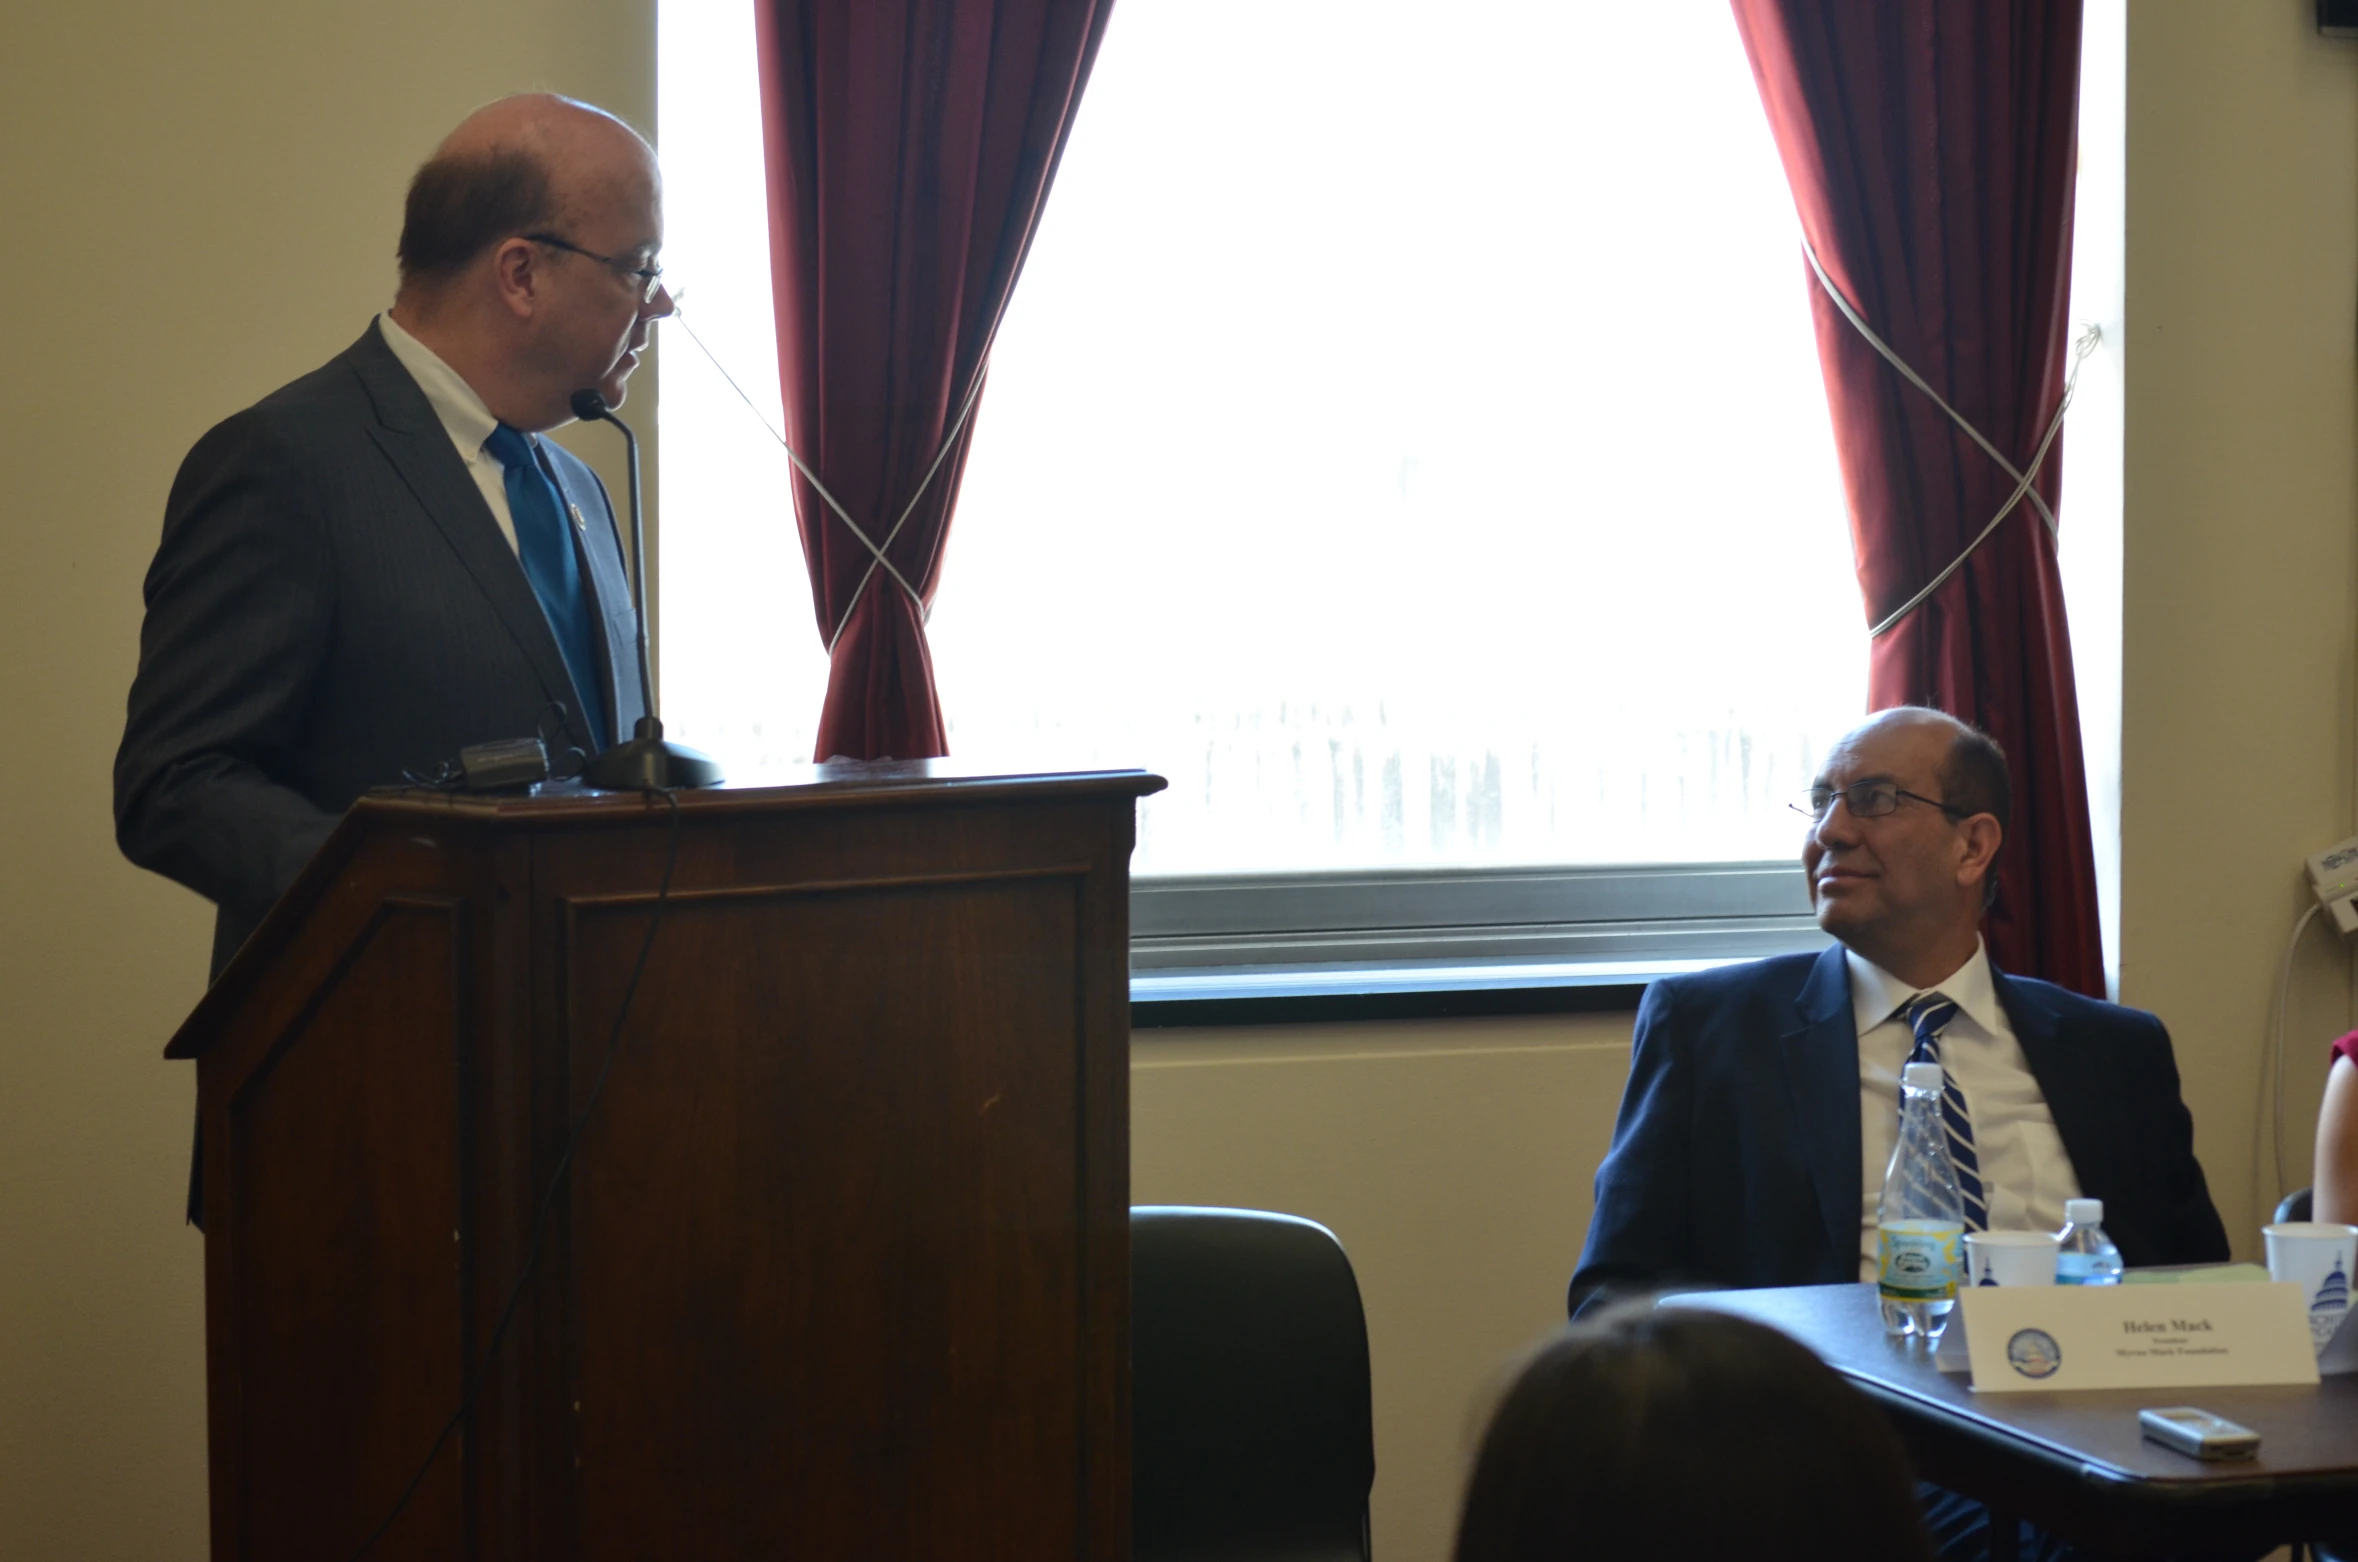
2074	1463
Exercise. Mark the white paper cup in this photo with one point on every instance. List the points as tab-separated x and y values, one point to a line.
2010	1257
2317	1256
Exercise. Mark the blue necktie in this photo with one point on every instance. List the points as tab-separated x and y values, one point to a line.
545	545
1928	1015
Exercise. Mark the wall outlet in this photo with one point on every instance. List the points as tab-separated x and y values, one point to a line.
2333	874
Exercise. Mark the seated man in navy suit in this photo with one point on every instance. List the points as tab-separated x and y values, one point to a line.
1763	1099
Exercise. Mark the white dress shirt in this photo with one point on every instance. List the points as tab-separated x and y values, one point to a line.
2025	1174
464	418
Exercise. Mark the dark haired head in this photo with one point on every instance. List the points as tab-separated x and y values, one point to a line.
462	203
1974	778
1681	1432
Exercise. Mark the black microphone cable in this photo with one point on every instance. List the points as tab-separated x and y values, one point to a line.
551	727
548	1202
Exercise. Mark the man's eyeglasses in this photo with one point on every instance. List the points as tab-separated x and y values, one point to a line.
650	276
1869	800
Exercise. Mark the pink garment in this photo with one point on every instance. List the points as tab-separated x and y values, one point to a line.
2347	1047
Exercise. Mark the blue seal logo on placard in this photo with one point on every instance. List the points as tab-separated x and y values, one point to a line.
2034	1353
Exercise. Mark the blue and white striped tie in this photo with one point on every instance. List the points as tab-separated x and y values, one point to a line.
1928	1015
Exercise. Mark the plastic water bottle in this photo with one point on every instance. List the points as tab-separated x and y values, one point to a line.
2084	1254
1921	1221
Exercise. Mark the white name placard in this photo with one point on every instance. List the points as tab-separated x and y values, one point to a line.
2035	1339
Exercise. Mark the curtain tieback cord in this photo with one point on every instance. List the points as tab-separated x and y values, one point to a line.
876	559
2090	335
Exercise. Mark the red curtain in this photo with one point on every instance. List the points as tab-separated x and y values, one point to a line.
1931	148
910	146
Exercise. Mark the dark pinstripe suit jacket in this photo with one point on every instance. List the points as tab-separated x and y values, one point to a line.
333	604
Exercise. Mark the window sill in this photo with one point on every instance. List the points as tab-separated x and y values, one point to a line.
1165	1000
1292	949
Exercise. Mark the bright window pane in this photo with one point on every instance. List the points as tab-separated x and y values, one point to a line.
1407	437
742	663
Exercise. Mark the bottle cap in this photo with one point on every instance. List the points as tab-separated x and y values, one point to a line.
2084	1212
1921	1076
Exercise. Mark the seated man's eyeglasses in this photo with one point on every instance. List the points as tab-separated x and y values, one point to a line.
650	276
1869	800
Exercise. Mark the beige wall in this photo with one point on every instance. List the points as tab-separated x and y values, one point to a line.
204	200
2240	549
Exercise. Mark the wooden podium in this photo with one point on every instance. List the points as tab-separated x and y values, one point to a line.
840	1267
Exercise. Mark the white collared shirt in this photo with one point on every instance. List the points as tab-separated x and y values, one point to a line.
464	418
2025	1173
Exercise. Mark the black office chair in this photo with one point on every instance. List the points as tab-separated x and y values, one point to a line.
2296	1206
1253	1436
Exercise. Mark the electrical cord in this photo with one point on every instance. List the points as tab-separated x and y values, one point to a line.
548	1202
2284	1000
445	777
552	727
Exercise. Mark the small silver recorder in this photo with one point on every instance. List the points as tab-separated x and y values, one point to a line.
2199	1433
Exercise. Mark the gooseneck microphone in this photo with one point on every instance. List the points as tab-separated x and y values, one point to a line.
645	760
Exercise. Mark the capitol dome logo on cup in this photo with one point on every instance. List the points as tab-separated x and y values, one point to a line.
2010	1257
2317	1256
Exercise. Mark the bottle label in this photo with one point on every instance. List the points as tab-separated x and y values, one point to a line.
2082	1269
1918	1260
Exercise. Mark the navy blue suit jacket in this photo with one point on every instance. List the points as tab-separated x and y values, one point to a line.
332	605
1735	1161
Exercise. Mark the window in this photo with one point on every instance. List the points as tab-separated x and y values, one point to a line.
1407	437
